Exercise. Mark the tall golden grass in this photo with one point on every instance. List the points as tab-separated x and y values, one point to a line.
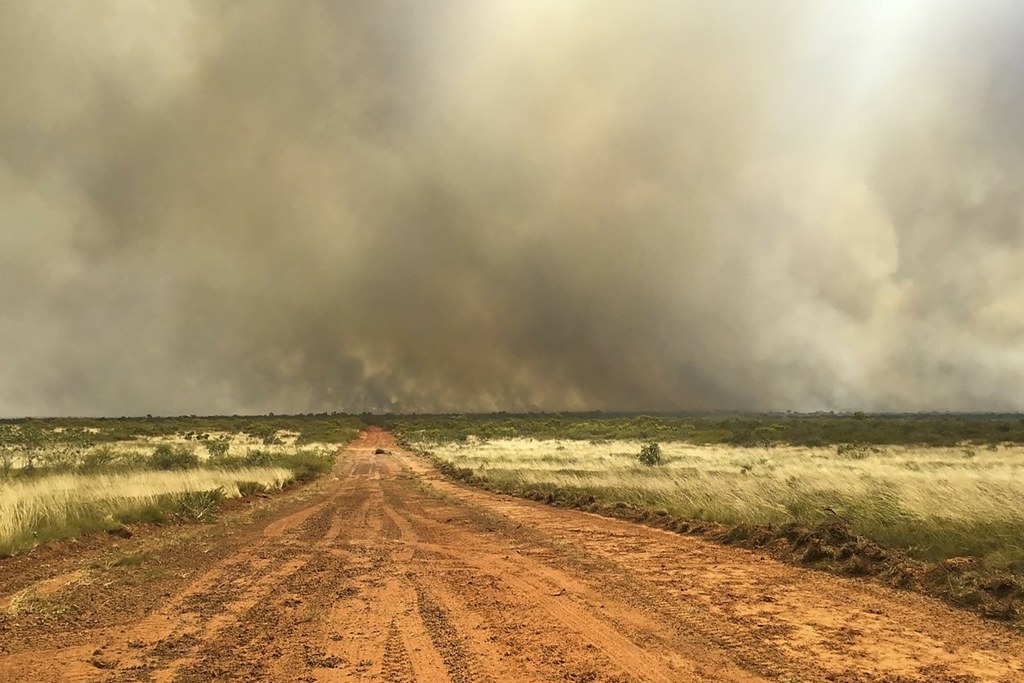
63	505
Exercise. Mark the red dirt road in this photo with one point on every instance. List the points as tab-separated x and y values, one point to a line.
390	573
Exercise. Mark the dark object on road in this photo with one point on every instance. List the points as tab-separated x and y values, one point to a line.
381	451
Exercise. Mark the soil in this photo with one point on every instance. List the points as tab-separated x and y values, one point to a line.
387	571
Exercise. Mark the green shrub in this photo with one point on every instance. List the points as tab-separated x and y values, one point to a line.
152	513
199	506
133	460
650	455
167	457
250	488
307	465
97	459
229	462
260	458
218	448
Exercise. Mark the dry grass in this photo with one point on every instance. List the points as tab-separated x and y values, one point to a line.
934	502
238	445
63	505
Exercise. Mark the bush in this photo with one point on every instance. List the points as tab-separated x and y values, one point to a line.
132	460
250	488
307	465
650	454
97	459
260	458
167	457
218	448
200	506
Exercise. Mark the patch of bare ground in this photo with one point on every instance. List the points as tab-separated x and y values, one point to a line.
393	573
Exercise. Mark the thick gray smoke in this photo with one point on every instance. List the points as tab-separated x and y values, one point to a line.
304	205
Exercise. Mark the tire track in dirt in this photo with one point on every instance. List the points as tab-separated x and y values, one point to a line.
298	595
419	642
365	569
226	597
446	638
396	667
394	574
488	583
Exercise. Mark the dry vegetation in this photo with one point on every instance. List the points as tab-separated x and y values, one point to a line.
64	505
60	478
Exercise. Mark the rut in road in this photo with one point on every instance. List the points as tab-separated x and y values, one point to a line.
394	574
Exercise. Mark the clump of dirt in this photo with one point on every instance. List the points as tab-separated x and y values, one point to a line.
834	547
970	584
831	546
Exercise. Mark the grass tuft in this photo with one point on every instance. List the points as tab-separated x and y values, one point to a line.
199	506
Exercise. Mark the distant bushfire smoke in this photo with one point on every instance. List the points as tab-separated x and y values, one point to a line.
291	206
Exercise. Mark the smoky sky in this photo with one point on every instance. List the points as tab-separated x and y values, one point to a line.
306	205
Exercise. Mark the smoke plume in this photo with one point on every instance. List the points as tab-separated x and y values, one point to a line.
306	205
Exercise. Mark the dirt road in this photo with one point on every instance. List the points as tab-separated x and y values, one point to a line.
390	573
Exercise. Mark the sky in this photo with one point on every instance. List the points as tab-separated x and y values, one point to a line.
215	207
